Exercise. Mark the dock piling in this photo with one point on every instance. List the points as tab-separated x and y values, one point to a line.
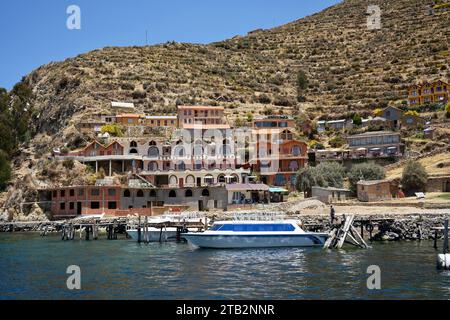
139	230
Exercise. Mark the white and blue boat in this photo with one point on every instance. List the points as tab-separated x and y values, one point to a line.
255	234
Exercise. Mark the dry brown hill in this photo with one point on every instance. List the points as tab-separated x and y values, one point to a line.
349	66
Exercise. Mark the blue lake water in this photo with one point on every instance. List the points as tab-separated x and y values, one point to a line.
32	267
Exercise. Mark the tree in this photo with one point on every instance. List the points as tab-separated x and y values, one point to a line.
5	170
414	178
113	129
357	120
21	111
302	85
365	171
6	132
326	174
411	113
377	112
337	141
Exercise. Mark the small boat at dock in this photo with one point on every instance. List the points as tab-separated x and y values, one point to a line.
255	234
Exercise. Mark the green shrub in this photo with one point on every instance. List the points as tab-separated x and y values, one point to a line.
414	178
365	171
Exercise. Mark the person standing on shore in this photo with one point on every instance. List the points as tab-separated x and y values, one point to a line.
332	214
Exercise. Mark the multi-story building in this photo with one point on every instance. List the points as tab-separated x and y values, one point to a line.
129	119
376	144
202	117
427	92
273	122
277	155
135	197
160	121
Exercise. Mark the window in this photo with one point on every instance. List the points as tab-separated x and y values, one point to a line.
172	194
296	151
54	194
71	205
112	205
95	205
127	194
152	193
188	193
72	192
133	144
205	193
112	192
95	192
62	206
153	152
80	192
62	193
140	194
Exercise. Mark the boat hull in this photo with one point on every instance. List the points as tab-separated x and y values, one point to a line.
255	241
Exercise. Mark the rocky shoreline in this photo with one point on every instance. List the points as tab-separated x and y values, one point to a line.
377	227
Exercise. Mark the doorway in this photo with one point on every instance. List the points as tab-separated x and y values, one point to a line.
79	208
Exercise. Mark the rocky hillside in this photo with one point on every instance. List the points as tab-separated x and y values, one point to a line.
349	67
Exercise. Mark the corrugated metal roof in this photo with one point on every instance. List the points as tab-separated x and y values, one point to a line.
247	187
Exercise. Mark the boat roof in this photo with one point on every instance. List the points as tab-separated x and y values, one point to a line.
257	222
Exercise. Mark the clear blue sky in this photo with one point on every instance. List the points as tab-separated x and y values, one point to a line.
34	32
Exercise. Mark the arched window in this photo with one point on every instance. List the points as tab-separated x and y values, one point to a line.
152	193
140	194
127	194
133	151
234	178
280	180
152	143
153	166
296	150
205	193
188	193
172	194
133	144
293	166
153	152
221	178
209	179
179	151
190	180
173	180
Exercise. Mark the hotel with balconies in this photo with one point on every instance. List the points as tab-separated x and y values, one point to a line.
428	92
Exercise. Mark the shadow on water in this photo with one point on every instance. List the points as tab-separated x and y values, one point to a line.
35	268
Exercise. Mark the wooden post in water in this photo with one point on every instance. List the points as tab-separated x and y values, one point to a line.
435	239
139	229
160	234
95	231
445	251
87	228
146	235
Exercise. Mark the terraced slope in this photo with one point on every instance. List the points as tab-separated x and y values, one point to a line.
349	66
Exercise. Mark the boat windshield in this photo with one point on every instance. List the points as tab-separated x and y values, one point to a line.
253	227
